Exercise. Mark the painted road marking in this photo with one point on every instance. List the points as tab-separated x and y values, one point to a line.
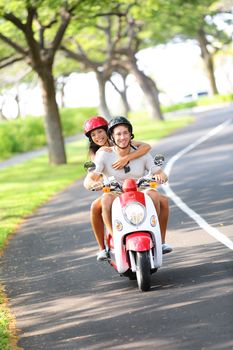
178	201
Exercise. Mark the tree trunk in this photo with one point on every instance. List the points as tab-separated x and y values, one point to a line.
17	99
2	116
122	93
150	90
208	61
53	128
104	111
62	92
125	102
210	73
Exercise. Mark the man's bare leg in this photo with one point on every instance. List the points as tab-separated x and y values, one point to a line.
162	207
163	216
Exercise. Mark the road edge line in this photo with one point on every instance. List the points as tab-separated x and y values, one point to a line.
178	201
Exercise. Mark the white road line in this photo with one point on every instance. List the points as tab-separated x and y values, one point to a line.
178	201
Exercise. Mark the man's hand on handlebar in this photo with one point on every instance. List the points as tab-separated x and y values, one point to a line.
160	178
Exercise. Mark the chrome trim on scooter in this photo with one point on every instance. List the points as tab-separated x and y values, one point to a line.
152	264
132	261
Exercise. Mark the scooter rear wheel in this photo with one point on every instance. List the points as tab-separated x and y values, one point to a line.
143	272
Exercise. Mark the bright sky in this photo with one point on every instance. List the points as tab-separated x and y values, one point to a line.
177	77
177	69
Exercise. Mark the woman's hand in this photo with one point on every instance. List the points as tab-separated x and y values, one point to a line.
97	186
120	163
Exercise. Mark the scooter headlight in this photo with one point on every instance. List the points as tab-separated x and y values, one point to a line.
134	213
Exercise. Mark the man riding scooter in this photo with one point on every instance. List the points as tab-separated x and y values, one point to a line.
121	133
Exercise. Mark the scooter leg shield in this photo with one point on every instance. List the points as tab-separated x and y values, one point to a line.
139	242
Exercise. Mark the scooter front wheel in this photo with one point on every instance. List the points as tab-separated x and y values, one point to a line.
143	272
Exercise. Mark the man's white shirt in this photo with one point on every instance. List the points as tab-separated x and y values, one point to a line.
136	168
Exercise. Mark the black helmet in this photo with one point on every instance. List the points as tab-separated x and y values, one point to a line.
119	121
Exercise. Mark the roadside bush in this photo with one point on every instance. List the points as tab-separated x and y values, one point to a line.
22	135
202	101
214	99
73	119
178	106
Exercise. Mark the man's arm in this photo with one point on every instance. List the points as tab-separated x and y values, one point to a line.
157	172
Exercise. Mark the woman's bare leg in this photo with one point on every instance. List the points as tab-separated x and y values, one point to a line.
97	222
107	200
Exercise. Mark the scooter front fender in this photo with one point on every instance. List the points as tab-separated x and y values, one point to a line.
139	241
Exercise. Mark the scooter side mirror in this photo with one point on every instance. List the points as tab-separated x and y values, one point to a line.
89	166
159	159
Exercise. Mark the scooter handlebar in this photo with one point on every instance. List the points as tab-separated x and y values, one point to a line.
112	185
143	181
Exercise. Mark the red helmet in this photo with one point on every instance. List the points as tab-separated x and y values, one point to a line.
94	123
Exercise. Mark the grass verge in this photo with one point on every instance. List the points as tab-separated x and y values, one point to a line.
26	186
8	338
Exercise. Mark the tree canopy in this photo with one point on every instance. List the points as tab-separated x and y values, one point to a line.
104	36
34	29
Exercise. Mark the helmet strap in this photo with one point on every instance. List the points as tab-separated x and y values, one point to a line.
129	144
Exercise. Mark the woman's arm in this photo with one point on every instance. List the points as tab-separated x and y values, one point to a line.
142	149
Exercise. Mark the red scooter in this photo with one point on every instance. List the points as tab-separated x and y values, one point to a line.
134	248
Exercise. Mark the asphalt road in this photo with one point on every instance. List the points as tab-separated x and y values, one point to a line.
64	299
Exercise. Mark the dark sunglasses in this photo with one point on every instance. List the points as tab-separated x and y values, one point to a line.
127	168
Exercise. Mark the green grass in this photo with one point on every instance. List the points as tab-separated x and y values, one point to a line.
26	186
7	339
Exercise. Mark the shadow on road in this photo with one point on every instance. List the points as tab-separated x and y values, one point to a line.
66	300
